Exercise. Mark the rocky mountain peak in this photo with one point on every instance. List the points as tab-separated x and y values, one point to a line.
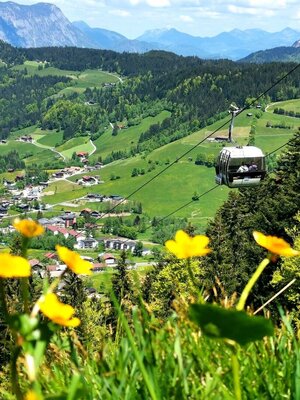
41	24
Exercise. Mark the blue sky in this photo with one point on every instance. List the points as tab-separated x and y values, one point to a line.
196	17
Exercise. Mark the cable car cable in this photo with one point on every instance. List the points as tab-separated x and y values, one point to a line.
202	194
196	145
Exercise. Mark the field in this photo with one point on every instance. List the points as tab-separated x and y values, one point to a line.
126	138
50	138
81	143
172	188
80	80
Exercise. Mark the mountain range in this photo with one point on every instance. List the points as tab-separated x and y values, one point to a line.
44	24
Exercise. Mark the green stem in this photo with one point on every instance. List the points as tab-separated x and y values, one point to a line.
236	376
25	281
25	293
3	301
136	352
14	374
242	301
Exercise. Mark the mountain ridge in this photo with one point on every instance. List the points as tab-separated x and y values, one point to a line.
43	24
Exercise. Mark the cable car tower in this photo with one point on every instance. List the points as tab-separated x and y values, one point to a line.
239	166
234	111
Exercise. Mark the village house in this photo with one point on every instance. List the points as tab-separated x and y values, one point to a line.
109	259
82	154
120	244
87	180
26	139
94	197
58	175
69	218
86	243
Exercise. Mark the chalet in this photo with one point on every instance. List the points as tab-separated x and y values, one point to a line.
115	197
120	244
2	141
88	180
19	178
35	263
53	229
23	207
3	210
94	197
59	174
26	139
69	219
86	243
249	114
108	258
95	214
82	154
44	184
10	170
55	221
98	267
63	231
85	212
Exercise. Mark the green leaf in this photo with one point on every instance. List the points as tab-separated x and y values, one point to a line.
22	323
222	323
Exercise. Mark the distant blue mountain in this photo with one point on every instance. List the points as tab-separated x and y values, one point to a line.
43	24
109	40
233	45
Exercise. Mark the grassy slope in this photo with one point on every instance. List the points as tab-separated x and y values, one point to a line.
81	80
177	185
50	138
126	138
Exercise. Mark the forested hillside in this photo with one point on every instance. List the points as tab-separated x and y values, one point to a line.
272	208
195	91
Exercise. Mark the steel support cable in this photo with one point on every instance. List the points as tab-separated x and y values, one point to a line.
208	191
196	145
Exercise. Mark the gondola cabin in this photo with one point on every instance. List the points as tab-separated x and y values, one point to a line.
241	166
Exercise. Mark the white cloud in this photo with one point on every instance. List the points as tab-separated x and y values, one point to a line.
250	11
120	13
158	3
150	3
186	18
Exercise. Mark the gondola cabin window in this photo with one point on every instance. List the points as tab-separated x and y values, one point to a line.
240	166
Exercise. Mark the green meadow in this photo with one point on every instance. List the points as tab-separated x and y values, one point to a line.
80	80
126	138
177	184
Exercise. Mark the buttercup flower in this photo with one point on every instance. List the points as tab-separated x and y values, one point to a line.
275	245
13	266
185	246
58	312
28	228
74	261
31	395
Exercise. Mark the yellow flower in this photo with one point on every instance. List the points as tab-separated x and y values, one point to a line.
60	313
275	245
13	266
28	228
185	246
74	261
31	395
